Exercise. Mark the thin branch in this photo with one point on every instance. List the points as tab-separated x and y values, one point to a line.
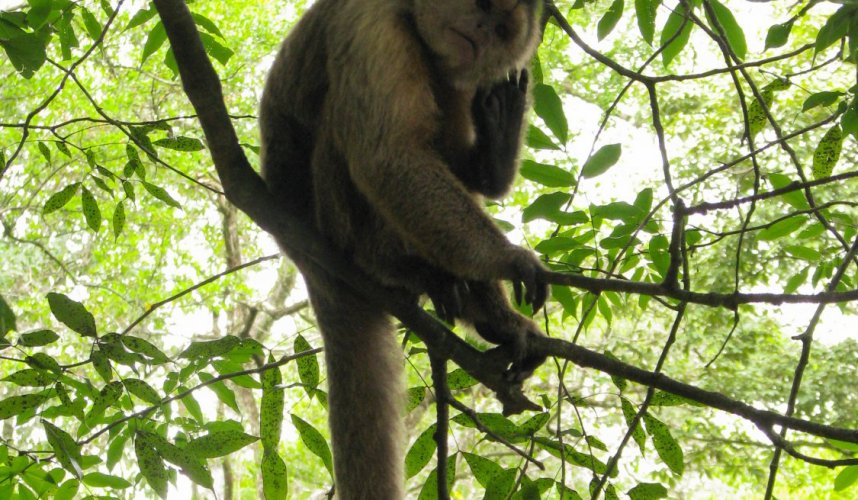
152	308
220	378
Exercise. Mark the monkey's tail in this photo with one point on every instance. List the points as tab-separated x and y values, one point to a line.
365	396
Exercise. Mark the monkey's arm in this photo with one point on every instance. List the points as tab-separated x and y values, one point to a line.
498	114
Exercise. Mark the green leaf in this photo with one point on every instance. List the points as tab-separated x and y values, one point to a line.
603	159
67	490
794	198
73	314
215	49
645	11
420	452
638	433
778	35
415	396
834	29
101	364
60	198
846	478
7	318
547	175
154	40
118	219
180	144
849	119
218	444
497	480
37	338
804	253
26	52
314	441
151	465
108	395
537	139
30	377
16	405
781	228
549	107
142	390
190	403
93	28
145	348
732	31
757	118
223	393
275	480
43	361
796	281
116	448
161	194
140	17
91	212
102	480
610	19
665	445
271	408
547	206
211	348
38	13
46	152
308	366
62	148
495	422
647	491
193	467
676	31
532	425
826	98
459	379
557	244
206	24
827	152
566	493
429	491
65	448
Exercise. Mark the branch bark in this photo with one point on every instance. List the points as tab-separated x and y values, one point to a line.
244	188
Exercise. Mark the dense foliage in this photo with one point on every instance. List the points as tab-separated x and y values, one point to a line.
689	176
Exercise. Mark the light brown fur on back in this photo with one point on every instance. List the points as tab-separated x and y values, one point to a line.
360	110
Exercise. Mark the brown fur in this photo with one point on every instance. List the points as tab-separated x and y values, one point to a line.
374	95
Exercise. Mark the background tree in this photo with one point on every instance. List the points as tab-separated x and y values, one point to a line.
687	178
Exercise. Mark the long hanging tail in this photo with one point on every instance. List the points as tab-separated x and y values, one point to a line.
365	396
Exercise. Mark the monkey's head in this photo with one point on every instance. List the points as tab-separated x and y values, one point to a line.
478	42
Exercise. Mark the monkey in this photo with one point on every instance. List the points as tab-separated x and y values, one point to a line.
384	122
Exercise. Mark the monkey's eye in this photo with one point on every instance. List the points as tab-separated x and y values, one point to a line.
484	5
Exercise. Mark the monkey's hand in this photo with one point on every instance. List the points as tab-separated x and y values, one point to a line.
447	294
526	271
498	114
514	333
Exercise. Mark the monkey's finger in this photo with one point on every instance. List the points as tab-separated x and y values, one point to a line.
540	296
512	77
457	303
523	80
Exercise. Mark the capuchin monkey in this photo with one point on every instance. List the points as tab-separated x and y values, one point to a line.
386	122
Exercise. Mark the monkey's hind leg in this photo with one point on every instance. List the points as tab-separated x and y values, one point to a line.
366	396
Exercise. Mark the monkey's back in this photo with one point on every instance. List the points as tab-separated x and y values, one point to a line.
314	114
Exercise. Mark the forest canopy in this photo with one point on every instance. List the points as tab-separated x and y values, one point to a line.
688	177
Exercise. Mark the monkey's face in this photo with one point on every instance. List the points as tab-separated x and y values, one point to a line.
479	41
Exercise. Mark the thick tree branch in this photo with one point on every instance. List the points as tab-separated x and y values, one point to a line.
245	189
